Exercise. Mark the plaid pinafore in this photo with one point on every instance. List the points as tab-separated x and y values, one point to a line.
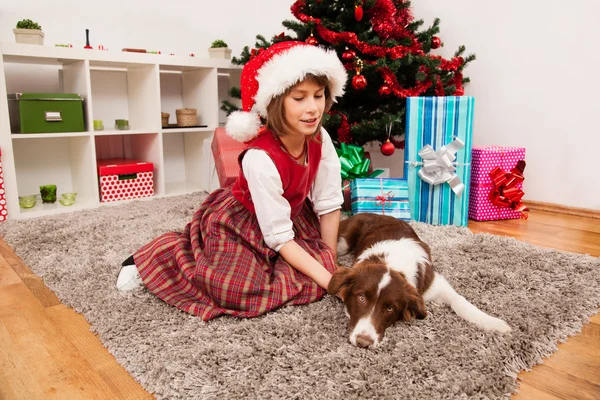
220	264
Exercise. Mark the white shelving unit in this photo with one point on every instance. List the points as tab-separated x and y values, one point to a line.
113	85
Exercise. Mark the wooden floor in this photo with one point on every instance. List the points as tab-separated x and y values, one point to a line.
47	351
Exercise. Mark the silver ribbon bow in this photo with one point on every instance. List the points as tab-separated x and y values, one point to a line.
439	166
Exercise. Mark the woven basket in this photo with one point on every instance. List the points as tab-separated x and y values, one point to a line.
165	119
186	117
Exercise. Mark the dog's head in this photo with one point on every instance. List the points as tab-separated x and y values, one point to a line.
375	297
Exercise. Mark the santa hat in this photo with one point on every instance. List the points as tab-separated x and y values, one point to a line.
273	71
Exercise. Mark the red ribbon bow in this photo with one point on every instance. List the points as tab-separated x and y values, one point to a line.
384	198
505	193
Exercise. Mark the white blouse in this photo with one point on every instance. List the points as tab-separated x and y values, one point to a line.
272	209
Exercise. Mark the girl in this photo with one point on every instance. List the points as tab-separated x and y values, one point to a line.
270	239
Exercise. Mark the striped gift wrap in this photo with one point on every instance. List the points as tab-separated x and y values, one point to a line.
385	196
438	121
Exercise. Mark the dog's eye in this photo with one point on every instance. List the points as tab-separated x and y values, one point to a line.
391	308
362	298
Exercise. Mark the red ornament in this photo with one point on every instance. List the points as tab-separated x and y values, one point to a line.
349	55
385	90
359	82
312	40
358	13
388	148
436	42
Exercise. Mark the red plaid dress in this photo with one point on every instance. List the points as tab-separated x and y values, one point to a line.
220	264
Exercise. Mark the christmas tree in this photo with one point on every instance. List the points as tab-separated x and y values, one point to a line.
387	55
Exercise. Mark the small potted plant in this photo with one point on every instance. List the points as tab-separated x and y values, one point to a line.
219	49
28	32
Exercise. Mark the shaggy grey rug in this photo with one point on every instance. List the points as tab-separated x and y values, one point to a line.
303	352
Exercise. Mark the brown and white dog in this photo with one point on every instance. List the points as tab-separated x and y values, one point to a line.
391	279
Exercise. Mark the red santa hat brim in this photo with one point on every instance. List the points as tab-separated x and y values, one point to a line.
278	73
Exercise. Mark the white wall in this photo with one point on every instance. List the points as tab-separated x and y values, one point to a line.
535	79
536	85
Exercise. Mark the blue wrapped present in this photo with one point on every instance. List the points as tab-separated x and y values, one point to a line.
439	133
386	196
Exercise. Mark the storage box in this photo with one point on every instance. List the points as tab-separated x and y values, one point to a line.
439	180
45	112
122	179
385	196
226	151
485	159
3	210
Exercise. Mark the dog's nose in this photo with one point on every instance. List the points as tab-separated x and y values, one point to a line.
363	341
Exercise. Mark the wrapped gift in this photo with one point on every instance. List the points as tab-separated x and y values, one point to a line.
3	210
385	196
226	150
496	186
439	134
355	163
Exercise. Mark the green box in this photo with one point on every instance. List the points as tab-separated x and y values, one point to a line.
46	112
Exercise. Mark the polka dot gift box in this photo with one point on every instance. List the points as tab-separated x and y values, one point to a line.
122	179
3	210
484	160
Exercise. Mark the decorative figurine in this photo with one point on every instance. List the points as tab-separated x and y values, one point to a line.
87	40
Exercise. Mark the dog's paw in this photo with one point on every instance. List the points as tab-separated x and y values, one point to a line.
496	324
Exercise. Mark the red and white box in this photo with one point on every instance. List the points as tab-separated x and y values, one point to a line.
226	151
122	179
484	160
3	210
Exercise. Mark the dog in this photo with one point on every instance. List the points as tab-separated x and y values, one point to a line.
391	279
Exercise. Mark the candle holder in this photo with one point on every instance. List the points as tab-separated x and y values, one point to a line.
27	201
67	199
121	124
48	193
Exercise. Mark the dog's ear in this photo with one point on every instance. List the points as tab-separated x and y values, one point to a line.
341	282
414	306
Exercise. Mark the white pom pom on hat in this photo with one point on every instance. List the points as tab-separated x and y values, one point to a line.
242	126
273	71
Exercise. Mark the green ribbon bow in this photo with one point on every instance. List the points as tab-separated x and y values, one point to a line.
353	161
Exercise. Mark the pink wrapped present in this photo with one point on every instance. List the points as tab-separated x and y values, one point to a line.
484	161
225	151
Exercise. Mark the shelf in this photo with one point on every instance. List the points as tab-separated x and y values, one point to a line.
40	55
119	202
189	89
125	132
131	94
26	53
113	85
41	209
49	135
182	187
66	162
180	130
184	160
